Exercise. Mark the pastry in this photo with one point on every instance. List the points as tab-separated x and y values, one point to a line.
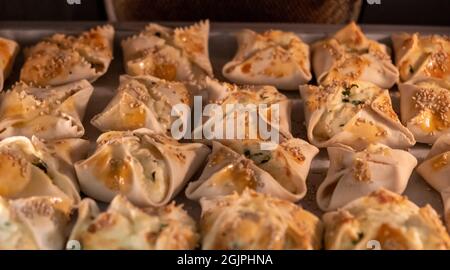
8	52
256	221
354	113
436	171
422	57
235	165
350	55
62	59
273	58
146	167
125	226
384	220
49	113
425	109
179	54
261	111
354	174
32	167
33	223
144	101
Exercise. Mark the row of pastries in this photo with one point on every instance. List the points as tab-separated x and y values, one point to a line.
247	195
249	220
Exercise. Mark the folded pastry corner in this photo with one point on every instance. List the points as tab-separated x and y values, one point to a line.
146	167
425	109
350	55
354	113
144	102
33	167
436	171
354	174
422	57
33	223
179	54
62	59
8	52
49	113
235	165
125	226
272	58
384	220
257	221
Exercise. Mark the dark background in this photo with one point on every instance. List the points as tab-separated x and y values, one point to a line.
417	12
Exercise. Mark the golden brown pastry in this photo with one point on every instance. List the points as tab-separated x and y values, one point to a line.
436	171
256	221
48	113
125	226
259	104
32	167
62	59
273	58
422	57
354	113
179	54
144	101
386	219
354	174
8	52
425	109
350	55
33	223
147	167
235	165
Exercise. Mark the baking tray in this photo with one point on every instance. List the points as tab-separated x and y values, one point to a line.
222	46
